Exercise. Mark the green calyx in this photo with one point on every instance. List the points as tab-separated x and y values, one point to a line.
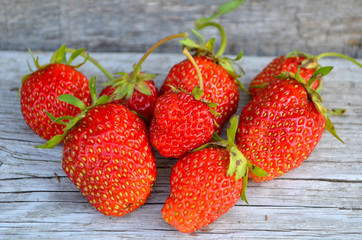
310	61
126	83
239	166
206	49
59	56
315	97
68	121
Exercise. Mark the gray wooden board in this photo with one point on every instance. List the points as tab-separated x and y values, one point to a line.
260	27
320	199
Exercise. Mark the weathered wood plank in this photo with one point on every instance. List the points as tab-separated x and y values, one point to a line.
320	199
260	27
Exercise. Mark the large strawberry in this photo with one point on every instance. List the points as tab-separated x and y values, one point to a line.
307	63
137	90
182	121
283	123
40	89
107	155
220	78
206	183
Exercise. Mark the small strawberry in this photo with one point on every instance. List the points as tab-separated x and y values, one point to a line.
181	121
206	183
40	89
220	78
137	90
107	155
141	103
307	63
283	123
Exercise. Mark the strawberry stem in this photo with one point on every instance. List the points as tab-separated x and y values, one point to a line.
137	69
192	60
201	25
92	60
333	54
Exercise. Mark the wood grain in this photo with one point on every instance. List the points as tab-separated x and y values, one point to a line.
260	27
320	199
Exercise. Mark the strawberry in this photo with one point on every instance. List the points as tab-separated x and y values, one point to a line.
182	121
107	155
220	78
307	63
283	123
137	90
141	103
40	89
206	183
180	124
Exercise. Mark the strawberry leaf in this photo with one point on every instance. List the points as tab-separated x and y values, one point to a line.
223	9
200	39
231	129
210	45
68	98
238	163
337	111
142	87
243	191
59	56
75	54
257	170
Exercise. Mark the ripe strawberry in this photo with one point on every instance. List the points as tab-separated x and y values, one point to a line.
180	124
307	63
141	103
282	124
220	78
40	89
206	183
108	157
136	90
201	191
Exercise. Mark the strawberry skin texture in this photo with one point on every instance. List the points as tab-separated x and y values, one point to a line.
219	86
140	103
180	124
109	159
279	65
200	190
39	93
279	128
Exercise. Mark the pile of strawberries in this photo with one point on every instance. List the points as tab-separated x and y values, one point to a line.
109	142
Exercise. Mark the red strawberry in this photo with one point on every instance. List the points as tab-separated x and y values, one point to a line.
200	190
137	90
180	124
282	124
40	89
307	63
203	184
219	86
139	102
108	157
220	78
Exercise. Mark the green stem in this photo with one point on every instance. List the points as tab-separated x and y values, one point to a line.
95	62
222	33
333	54
137	69
192	60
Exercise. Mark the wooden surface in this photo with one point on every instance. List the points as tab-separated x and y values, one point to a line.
320	199
260	27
